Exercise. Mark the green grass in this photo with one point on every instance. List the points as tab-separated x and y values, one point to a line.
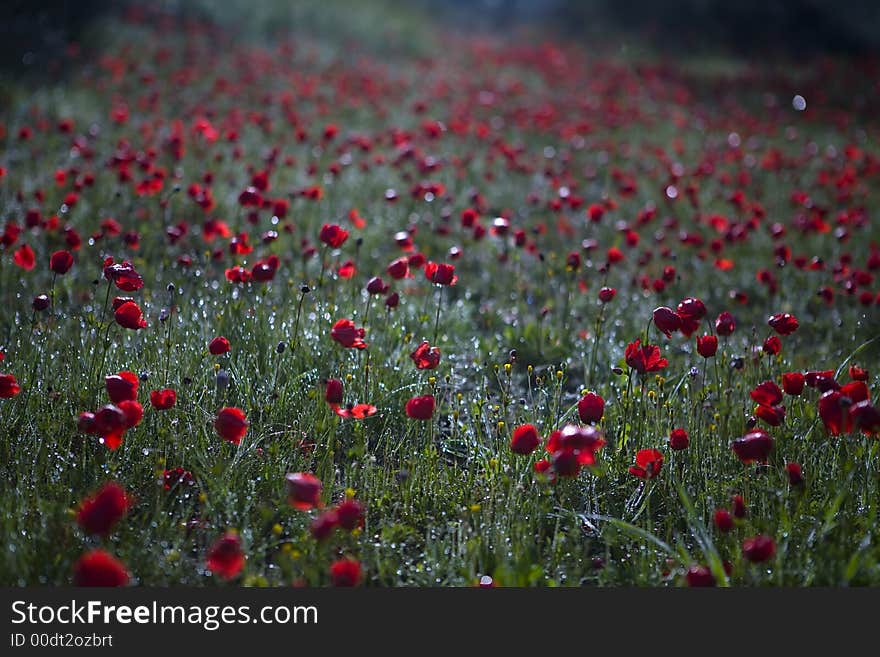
447	502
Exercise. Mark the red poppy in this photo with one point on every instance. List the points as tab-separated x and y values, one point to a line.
679	439
606	294
767	394
823	380
350	513
99	568
132	411
110	423
100	512
346	334
264	270
8	386
699	576
723	520
345	572
772	415
795	473
865	416
163	399
40	303
218	346
525	439
644	359
60	262
666	320
333	235
691	310
122	386
772	346
425	356
834	406
123	275
333	393
759	549
398	269
440	273
356	411
129	315
793	383
591	408
177	477
420	408
783	323
231	424
707	345
324	524
856	373
303	491
738	507
753	447
225	556
377	286
648	464
24	257
725	324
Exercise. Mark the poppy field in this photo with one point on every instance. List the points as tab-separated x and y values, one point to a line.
485	311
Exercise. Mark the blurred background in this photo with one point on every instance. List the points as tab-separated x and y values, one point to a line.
34	32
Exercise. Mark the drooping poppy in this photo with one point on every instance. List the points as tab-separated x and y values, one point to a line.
225	556
303	490
99	513
123	275
231	424
122	386
99	568
666	320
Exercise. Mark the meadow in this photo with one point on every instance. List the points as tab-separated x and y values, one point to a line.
462	310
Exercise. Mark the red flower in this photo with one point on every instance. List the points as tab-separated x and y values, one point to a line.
795	473
303	491
723	520
440	273
163	399
591	408
377	286
324	524
666	320
60	262
691	310
699	576
856	373
333	235
759	549
132	411
644	359
420	408
345	572
231	424
738	507
350	514
218	346
772	415
648	464
707	345
793	383
177	477
725	324
110	423
100	512
525	439
122	386
357	411
834	406
425	356
99	568
679	439
345	333
8	386
767	394
24	257
606	294
398	269
129	315
755	446
263	271
225	556
333	393
783	323
772	346
123	275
